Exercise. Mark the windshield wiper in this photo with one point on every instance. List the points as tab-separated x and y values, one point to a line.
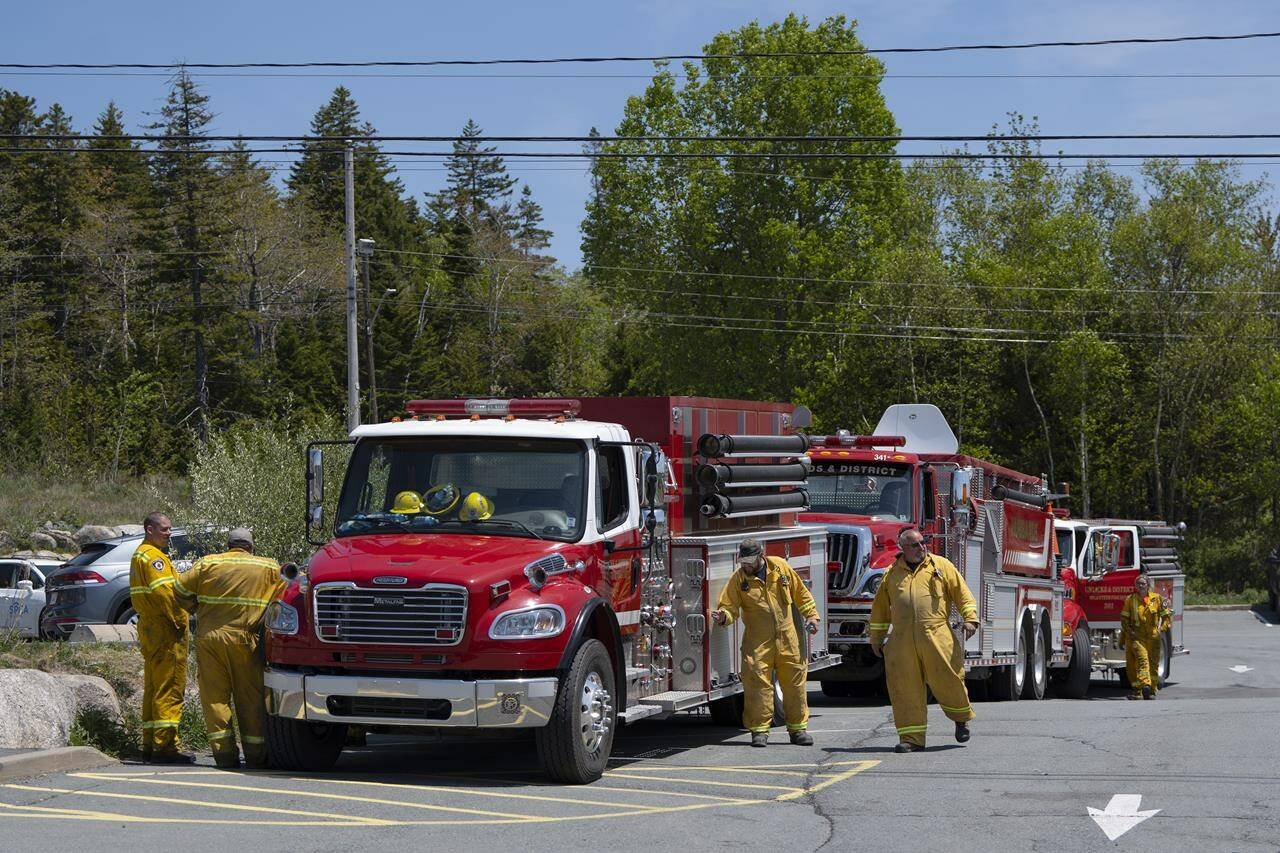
507	521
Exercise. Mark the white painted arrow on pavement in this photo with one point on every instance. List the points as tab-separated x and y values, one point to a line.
1120	815
1240	668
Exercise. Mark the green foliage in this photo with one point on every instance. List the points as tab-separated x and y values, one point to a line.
254	476
117	738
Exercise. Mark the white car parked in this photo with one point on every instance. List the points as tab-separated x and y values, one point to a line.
22	594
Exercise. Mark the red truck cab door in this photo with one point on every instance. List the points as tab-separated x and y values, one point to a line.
615	493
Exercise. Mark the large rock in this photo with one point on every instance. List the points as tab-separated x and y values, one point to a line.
41	541
36	710
128	530
63	540
39	555
93	533
90	691
91	633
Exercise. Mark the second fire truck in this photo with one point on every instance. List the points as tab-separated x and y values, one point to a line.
994	523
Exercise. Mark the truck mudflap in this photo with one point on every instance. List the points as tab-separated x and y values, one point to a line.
674	701
373	700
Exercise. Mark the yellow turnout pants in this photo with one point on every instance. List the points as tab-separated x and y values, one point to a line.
758	672
231	672
919	655
164	678
1142	663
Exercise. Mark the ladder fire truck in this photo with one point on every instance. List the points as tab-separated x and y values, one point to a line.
1100	559
543	564
994	523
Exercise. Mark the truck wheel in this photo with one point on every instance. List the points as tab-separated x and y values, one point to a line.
727	711
1007	682
1166	657
1075	681
302	745
574	745
1037	676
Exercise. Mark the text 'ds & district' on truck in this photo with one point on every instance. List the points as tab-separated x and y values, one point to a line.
993	523
538	564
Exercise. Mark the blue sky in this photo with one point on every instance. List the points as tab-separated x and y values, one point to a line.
65	31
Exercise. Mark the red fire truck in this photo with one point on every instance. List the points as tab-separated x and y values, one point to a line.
1100	559
539	564
995	524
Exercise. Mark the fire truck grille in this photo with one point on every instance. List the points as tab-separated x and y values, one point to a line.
843	548
433	616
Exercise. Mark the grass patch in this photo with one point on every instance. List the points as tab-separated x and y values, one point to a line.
29	498
1249	596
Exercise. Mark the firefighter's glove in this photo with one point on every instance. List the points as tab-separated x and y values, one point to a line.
970	628
811	624
718	616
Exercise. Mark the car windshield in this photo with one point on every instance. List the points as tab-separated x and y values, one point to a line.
496	486
860	488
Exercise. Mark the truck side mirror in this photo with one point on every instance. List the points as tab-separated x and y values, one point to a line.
315	489
1108	552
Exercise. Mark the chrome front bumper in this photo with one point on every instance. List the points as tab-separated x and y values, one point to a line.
508	703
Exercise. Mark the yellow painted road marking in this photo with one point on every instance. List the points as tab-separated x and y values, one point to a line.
368	821
401	786
254	789
330	820
619	775
485	818
678	767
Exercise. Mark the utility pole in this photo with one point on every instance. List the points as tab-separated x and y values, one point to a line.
364	248
353	355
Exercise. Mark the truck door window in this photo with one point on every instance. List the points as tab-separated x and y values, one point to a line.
1126	548
611	488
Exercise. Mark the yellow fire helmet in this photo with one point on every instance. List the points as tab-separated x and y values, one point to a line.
440	498
475	507
407	503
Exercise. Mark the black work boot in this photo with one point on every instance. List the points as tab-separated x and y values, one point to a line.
962	732
906	746
1146	692
802	738
760	739
173	758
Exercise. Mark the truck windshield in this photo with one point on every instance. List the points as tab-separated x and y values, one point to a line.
860	488
494	486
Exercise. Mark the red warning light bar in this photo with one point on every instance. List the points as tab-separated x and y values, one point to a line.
495	408
846	440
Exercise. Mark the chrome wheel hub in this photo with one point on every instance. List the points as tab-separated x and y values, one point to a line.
595	712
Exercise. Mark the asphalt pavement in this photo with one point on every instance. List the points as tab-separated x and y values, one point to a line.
1198	768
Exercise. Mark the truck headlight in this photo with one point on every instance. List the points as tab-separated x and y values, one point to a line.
281	618
872	585
546	620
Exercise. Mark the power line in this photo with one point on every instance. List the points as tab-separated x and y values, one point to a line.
708	77
814	280
423	63
375	138
677	155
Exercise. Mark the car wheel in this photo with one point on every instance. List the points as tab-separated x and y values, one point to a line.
127	616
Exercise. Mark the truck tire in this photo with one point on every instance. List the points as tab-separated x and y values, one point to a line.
727	711
1008	682
302	745
1037	677
1074	683
574	745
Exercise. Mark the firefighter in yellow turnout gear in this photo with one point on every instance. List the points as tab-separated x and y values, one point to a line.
764	589
1143	620
230	593
162	636
915	600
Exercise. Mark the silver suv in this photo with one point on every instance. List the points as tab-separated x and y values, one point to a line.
93	586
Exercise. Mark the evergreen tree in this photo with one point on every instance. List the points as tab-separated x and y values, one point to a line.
186	181
530	236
